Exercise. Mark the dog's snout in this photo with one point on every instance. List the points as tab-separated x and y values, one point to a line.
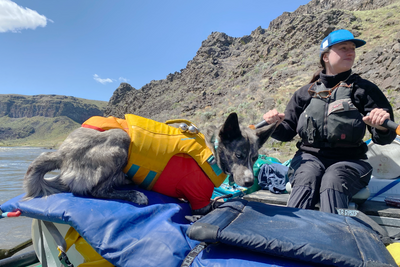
244	177
248	181
248	173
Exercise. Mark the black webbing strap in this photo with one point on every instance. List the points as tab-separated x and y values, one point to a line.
193	254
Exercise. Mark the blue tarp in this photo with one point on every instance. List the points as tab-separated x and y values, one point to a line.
127	234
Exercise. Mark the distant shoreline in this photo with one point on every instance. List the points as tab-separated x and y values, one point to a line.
41	144
42	147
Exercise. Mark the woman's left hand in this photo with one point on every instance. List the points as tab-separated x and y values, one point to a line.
376	118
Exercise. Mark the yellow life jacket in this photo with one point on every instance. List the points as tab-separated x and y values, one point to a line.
92	258
154	143
394	250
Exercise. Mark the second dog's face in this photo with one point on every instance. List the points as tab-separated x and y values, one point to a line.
237	149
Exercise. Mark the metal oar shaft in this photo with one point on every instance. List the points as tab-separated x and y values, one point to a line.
5	253
258	125
389	124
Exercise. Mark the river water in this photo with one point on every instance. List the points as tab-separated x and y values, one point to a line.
14	162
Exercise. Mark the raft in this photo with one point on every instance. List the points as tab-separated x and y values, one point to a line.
100	232
238	233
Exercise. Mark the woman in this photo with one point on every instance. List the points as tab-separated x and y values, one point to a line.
330	115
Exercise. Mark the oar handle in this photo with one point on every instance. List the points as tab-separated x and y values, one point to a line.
261	124
391	125
258	125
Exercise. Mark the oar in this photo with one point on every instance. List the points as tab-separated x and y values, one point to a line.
5	253
258	125
391	125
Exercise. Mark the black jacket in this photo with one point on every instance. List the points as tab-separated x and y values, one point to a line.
366	96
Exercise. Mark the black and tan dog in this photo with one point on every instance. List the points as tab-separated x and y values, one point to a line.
93	162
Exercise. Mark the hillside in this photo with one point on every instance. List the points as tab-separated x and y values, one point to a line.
77	109
248	75
260	71
36	131
43	120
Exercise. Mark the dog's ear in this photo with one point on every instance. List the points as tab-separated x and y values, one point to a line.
264	133
231	129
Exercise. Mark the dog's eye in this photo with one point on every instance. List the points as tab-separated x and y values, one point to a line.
238	155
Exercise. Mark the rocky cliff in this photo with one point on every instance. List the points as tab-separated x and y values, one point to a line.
43	120
260	71
20	106
248	75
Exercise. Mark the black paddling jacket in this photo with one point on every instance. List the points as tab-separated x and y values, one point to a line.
316	139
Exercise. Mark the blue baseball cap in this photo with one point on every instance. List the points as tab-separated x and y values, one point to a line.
339	36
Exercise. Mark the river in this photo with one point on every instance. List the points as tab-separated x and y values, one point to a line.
14	162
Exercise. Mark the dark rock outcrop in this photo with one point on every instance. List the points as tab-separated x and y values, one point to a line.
16	133
260	71
19	106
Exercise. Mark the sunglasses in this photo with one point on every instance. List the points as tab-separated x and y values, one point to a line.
325	93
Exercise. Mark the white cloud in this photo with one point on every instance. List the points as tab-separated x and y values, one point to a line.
15	18
124	80
100	80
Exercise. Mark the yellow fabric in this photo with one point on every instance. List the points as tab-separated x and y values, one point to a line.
178	121
394	250
154	143
104	124
92	258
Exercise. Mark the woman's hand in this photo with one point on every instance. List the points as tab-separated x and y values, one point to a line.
273	116
376	118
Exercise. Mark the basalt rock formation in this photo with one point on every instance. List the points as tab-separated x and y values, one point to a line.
19	106
260	71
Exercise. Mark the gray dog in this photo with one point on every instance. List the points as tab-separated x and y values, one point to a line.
91	162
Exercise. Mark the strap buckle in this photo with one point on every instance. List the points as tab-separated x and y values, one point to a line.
193	254
62	256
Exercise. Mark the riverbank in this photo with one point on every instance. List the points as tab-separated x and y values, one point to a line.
46	144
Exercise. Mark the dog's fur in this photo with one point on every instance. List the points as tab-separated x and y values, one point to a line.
91	162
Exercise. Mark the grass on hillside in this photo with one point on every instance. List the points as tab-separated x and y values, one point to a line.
49	132
248	95
54	98
378	27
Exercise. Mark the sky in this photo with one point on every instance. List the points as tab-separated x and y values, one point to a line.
86	48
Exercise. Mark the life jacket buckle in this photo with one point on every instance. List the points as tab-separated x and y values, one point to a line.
64	259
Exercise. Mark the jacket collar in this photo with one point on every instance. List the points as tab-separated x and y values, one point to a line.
331	80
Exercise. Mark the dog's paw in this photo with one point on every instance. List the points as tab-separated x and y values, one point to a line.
139	198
